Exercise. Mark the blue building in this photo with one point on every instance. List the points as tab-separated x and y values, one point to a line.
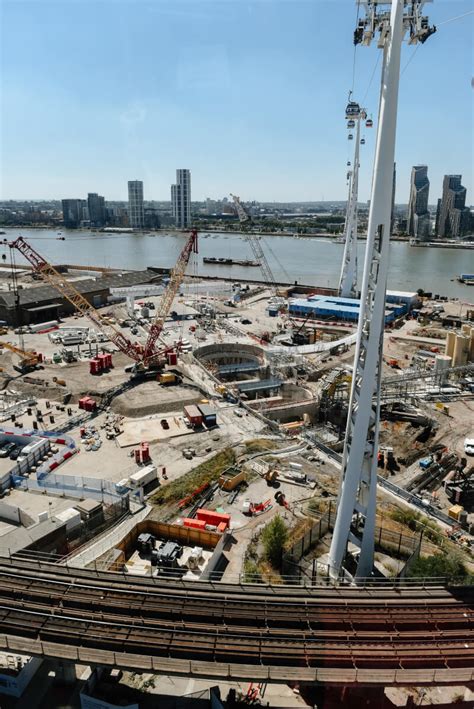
326	307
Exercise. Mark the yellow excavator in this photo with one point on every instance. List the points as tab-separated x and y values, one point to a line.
28	360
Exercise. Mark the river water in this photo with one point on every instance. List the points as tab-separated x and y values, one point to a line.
312	261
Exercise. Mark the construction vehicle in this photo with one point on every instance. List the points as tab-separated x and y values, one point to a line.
29	361
253	510
145	356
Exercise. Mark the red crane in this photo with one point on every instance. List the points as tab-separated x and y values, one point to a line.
176	278
142	355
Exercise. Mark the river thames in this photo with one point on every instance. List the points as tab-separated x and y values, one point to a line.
312	261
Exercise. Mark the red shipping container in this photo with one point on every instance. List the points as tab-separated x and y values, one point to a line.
213	518
94	366
83	401
193	415
194	523
109	361
145	452
172	358
221	527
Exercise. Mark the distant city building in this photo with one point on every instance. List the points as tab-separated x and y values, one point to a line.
136	213
96	207
181	199
453	217
418	217
73	212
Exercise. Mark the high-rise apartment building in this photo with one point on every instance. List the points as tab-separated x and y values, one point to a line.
453	218
181	199
73	212
97	211
136	212
418	217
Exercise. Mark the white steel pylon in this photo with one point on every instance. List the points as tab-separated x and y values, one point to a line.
348	277
355	521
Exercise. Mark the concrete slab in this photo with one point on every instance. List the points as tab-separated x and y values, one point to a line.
150	429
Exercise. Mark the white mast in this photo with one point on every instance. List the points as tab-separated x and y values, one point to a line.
355	521
348	278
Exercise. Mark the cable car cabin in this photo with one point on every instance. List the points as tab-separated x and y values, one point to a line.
352	109
362	141
348	163
369	123
350	137
351	123
348	176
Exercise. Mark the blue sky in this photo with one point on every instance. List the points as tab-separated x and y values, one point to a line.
249	95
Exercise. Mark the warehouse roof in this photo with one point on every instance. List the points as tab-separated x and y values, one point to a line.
38	294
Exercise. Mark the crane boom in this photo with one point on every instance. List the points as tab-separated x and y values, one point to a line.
68	291
176	278
256	247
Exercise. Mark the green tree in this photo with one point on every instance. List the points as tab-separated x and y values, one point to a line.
274	537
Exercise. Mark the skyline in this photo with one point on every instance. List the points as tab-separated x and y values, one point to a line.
252	110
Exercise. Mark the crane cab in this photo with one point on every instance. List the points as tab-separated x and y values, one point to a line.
369	123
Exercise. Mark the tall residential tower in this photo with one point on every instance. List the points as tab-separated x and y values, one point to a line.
181	199
136	213
453	218
418	217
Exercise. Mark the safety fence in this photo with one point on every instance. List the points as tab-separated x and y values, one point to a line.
401	545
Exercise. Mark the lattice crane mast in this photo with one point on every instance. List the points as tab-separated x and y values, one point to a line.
176	278
256	247
48	273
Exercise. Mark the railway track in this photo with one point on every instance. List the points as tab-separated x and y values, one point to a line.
381	633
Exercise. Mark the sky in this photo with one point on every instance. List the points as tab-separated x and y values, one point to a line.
249	95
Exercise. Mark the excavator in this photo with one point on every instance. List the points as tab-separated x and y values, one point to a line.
145	357
29	361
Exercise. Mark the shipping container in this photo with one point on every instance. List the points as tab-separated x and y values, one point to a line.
208	414
143	477
213	518
193	415
168	378
194	523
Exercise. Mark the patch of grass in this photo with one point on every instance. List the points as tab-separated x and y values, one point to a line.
260	445
441	565
251	572
207	472
417	522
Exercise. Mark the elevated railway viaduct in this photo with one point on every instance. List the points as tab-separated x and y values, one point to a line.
345	635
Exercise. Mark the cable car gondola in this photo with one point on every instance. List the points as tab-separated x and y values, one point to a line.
369	123
351	123
348	163
362	141
350	137
352	109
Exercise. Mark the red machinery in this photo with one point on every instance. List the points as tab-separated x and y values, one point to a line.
142	355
